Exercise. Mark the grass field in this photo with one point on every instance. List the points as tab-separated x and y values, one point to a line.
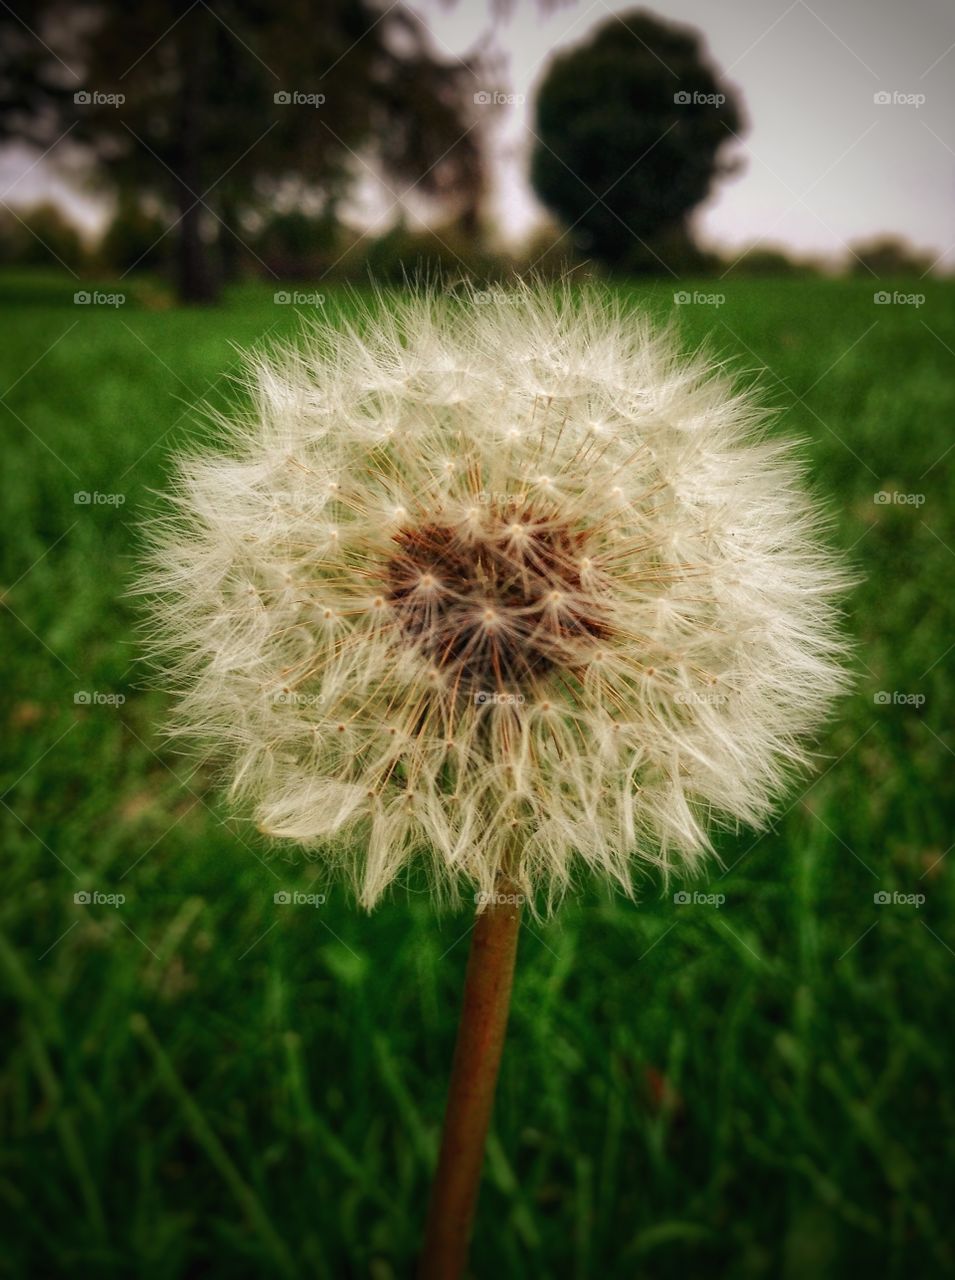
198	1081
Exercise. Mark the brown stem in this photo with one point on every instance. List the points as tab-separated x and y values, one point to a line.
477	1056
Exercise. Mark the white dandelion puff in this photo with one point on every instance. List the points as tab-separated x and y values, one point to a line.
512	586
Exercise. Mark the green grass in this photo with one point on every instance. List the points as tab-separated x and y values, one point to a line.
200	1082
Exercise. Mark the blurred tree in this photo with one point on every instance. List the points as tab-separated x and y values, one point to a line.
772	261
36	85
297	244
136	237
888	255
38	234
447	253
548	251
629	129
208	109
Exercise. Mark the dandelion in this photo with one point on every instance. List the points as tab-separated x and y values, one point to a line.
515	589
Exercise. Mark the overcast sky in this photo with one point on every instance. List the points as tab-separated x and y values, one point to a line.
824	163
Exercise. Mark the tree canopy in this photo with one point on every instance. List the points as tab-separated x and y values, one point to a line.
205	111
628	134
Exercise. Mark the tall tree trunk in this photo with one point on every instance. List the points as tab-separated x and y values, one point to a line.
230	258
195	275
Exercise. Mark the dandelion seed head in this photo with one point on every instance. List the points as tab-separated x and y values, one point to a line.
538	590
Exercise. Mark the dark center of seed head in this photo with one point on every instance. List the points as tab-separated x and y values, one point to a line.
498	603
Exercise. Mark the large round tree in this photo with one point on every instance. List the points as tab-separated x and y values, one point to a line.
628	135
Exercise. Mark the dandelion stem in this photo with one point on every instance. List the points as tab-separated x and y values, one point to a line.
477	1056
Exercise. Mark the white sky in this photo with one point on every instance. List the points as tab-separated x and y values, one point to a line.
823	163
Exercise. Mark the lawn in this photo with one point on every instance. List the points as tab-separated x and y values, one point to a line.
201	1081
